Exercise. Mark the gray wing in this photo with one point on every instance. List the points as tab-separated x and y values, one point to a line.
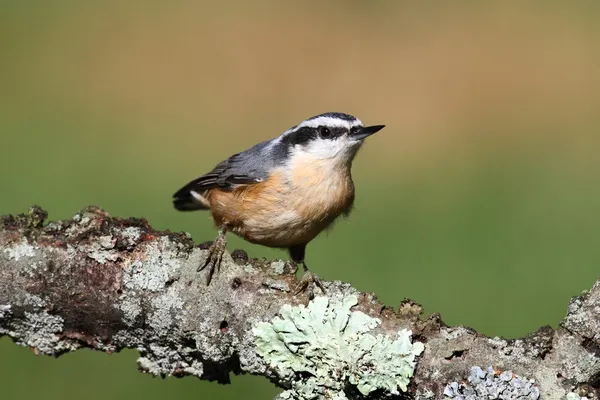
248	167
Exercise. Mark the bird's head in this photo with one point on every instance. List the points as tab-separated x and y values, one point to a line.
334	136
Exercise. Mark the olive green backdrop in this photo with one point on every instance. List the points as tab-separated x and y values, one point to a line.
480	199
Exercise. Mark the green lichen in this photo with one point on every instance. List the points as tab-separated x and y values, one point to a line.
323	347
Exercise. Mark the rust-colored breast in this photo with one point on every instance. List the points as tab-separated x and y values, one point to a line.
323	192
288	208
247	201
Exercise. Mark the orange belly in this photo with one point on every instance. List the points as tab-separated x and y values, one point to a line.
282	211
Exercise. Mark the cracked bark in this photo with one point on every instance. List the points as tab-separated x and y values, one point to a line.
109	283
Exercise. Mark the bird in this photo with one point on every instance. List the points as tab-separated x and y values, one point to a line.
282	192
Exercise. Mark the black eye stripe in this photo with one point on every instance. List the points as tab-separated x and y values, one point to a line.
303	135
307	134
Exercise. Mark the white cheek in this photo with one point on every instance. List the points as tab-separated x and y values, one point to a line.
323	149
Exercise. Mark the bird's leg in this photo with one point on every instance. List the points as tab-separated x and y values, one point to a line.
215	255
309	279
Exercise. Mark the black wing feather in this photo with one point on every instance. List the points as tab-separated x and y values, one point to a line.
221	176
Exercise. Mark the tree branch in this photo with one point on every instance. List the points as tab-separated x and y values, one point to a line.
108	283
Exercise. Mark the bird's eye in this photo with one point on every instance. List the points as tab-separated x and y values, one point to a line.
324	132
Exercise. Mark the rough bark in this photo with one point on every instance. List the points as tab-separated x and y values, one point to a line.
108	283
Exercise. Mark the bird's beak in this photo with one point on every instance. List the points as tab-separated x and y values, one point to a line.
366	131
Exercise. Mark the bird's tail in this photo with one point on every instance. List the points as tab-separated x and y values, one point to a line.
187	199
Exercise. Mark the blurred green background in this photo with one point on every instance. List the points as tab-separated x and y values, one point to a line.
480	200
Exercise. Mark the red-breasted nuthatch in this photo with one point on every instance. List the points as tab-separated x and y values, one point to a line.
282	192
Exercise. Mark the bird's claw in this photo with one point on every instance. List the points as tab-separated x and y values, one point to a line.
214	257
308	281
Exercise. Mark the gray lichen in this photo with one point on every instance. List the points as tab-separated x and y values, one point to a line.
5	310
20	250
40	331
575	396
491	384
159	265
167	309
278	266
329	346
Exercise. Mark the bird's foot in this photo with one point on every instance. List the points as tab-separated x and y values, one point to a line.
307	283
214	257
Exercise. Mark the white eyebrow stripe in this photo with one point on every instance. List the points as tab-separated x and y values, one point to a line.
328	121
278	139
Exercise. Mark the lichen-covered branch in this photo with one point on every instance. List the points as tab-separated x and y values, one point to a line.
108	283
